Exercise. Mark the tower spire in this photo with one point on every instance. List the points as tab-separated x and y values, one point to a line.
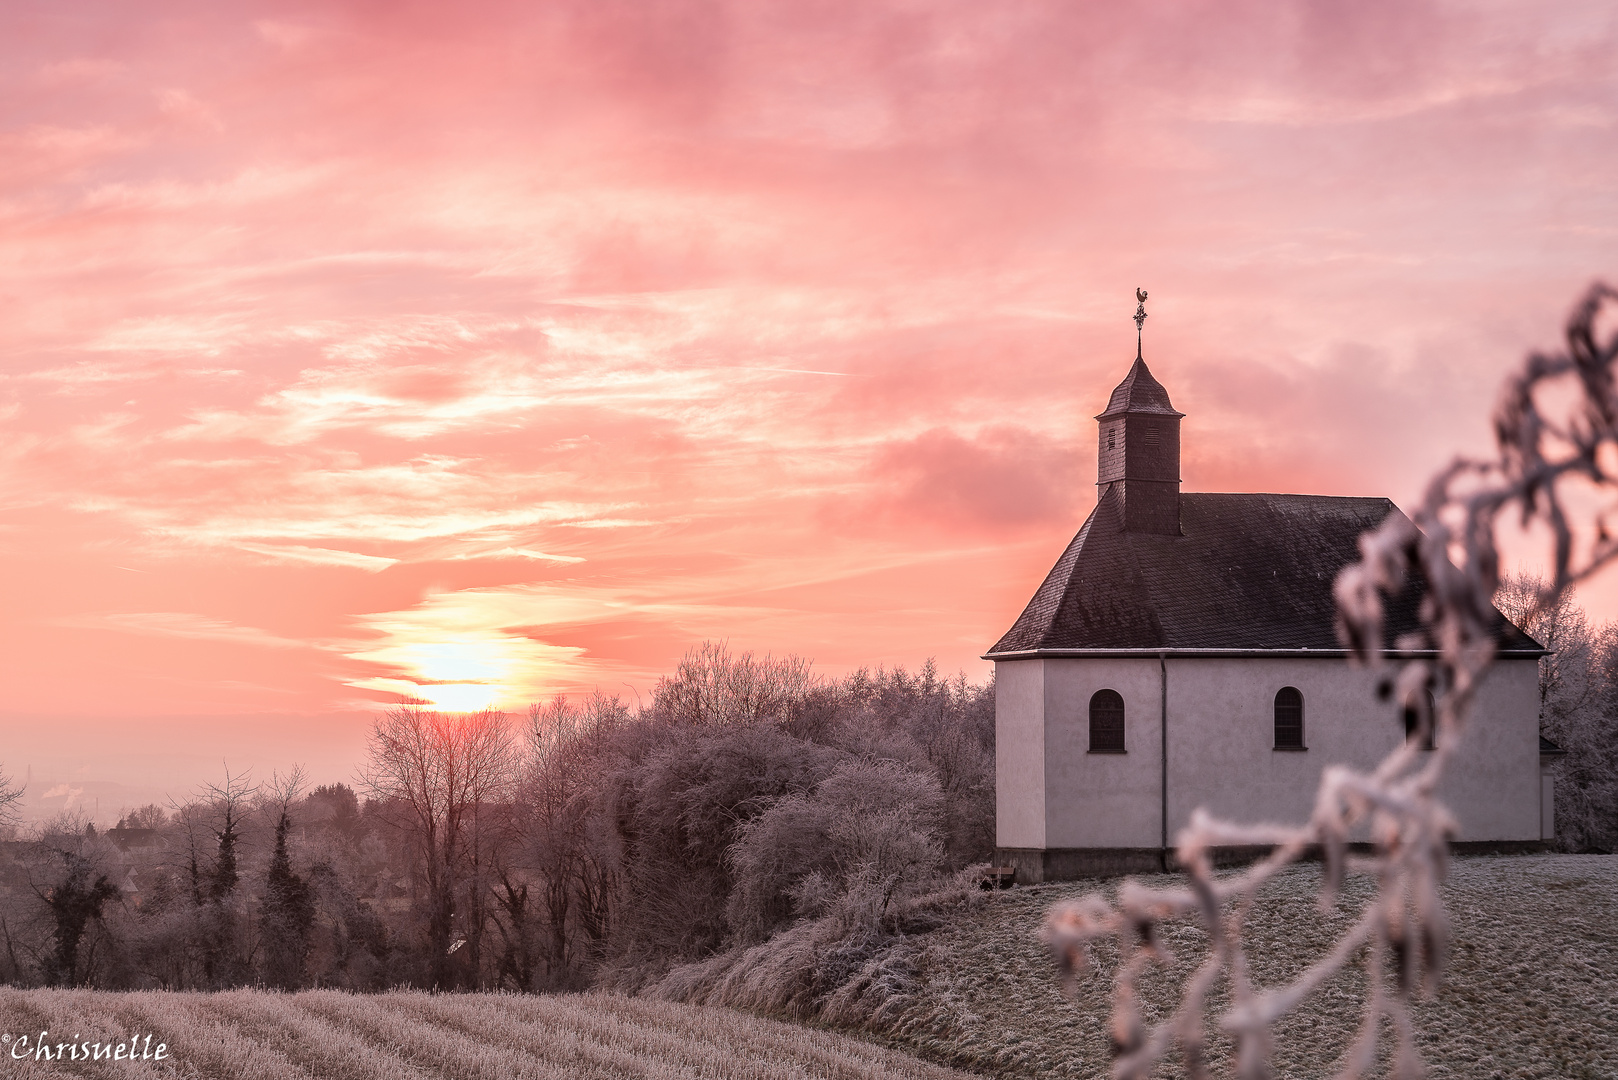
1140	317
1138	458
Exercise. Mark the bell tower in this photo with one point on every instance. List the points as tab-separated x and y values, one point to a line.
1139	452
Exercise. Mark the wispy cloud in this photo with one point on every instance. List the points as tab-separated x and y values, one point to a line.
180	624
518	553
777	322
297	553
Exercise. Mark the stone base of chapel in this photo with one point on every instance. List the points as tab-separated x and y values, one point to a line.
1034	866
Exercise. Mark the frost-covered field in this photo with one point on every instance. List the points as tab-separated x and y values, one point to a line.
247	1035
1531	989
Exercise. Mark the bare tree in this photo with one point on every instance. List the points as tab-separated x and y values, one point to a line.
712	687
556	813
150	816
1578	709
10	796
1587	775
76	864
214	819
446	772
1548	463
216	811
287	909
1565	682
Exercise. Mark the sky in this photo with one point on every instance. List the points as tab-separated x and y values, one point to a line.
353	354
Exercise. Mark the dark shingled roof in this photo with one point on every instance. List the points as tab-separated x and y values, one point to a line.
1139	393
1250	572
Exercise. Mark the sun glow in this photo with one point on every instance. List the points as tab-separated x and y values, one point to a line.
464	675
459	652
460	697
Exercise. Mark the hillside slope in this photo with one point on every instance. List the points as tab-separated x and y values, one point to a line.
1531	989
253	1035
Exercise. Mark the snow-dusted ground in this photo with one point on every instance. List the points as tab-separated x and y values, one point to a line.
254	1035
1531	989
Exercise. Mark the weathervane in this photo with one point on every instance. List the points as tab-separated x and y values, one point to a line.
1140	317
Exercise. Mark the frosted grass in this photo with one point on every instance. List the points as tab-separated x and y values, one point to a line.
1530	990
266	1035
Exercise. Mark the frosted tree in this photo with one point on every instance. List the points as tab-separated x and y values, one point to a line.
712	687
10	796
1555	475
286	912
441	777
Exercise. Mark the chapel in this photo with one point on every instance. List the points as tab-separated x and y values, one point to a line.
1182	653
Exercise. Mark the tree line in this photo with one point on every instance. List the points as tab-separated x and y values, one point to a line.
589	843
586	843
1578	709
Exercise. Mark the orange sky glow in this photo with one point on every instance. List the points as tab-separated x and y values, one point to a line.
356	353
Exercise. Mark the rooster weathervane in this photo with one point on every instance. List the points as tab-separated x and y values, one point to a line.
1140	317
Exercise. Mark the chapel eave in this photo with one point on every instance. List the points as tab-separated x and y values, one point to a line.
1252	574
1235	654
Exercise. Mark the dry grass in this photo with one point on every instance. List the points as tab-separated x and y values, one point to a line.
1531	989
254	1035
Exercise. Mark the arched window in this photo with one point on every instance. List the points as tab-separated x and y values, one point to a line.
1421	716
1288	719
1106	722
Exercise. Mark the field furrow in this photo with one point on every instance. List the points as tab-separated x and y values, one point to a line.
319	1046
86	1014
836	1054
629	1054
200	1037
447	1052
665	1052
259	1035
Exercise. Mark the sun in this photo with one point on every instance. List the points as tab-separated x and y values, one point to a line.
459	697
465	674
459	652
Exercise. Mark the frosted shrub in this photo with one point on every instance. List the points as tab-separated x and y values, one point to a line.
868	832
1555	475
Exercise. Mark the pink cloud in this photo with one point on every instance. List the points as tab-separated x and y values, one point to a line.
1004	479
557	337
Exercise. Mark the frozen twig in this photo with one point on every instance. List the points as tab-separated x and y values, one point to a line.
1556	431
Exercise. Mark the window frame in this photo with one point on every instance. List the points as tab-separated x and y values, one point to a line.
1101	697
1275	730
1412	721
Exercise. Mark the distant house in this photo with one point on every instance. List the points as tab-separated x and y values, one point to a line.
133	838
1181	653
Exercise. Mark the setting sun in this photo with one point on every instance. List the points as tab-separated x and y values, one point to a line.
461	676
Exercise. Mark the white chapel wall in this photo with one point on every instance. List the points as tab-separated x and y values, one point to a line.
1019	754
1222	729
1492	784
1221	747
1102	800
